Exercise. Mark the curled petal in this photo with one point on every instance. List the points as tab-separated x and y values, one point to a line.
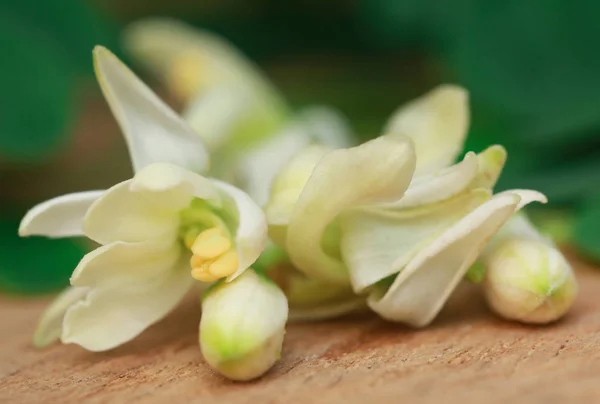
153	131
437	123
420	290
378	171
376	244
251	233
49	327
58	217
111	315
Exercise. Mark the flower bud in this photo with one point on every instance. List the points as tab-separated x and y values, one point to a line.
528	280
242	326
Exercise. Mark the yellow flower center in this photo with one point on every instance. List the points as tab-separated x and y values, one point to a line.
205	232
213	256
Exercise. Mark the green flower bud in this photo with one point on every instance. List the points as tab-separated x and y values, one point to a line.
528	281
242	326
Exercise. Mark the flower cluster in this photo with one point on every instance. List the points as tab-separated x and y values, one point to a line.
290	221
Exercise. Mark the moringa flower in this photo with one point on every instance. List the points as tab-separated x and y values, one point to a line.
245	122
159	231
357	216
526	277
242	326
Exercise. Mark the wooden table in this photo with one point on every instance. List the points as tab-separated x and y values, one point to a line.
467	355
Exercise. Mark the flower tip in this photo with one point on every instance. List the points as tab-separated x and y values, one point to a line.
452	92
529	281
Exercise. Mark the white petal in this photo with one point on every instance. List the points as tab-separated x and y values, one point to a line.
420	290
112	315
378	171
376	243
435	187
258	167
437	123
474	171
174	186
216	113
58	217
251	233
123	215
191	60
152	130
118	264
49	327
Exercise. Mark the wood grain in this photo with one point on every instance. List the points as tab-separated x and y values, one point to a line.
467	355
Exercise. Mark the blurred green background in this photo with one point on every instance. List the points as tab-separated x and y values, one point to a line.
532	68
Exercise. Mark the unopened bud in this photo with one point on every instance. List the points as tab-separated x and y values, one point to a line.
528	281
242	326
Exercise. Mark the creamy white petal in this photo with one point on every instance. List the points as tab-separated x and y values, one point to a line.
289	183
376	243
437	123
153	131
113	315
258	167
121	214
435	187
215	114
49	327
119	264
420	290
190	60
378	171
58	217
172	187
251	233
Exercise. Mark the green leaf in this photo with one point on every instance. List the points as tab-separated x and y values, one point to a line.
36	86
45	46
587	228
35	265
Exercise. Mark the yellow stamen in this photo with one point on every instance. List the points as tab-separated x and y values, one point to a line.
212	246
197	262
225	265
201	273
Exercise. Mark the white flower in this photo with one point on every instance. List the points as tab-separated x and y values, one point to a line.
242	326
158	231
245	121
358	216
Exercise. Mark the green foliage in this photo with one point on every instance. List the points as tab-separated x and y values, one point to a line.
45	47
587	228
35	265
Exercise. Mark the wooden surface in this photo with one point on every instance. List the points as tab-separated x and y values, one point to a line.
467	355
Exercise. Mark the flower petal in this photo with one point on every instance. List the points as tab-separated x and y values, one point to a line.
251	233
474	171
191	60
122	263
49	327
378	171
437	123
114	314
121	214
58	217
376	244
259	166
420	290
152	130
